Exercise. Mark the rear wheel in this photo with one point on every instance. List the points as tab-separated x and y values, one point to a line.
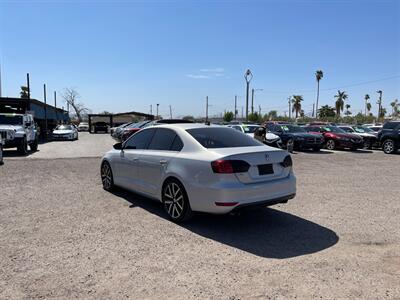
290	145
367	144
388	146
107	176
176	201
23	147
330	145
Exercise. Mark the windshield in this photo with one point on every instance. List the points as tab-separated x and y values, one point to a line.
222	138
292	128
10	120
64	127
333	129
249	129
362	130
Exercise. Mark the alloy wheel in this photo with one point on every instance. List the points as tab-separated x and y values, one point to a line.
330	144
174	201
388	146
106	176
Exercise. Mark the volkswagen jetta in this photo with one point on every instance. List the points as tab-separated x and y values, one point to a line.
198	168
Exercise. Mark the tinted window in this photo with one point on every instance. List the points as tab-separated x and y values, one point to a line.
140	140
391	125
222	138
177	145
237	128
270	126
162	139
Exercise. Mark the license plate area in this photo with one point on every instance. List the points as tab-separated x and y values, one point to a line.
265	169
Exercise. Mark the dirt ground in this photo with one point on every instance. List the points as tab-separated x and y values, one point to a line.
62	236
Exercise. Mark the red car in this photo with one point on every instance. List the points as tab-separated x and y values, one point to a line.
336	138
131	129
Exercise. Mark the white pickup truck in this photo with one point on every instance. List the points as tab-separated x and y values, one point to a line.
18	130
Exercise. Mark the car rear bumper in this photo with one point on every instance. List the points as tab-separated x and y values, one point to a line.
218	199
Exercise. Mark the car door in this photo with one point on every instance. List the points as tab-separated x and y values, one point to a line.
126	165
154	161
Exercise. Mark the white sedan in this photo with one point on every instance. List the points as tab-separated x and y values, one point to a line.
248	129
198	168
65	132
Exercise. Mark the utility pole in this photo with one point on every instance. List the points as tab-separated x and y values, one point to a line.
55	104
290	116
379	103
242	112
157	111
170	112
236	107
28	85
313	108
45	109
206	109
151	109
259	110
252	101
247	76
1	94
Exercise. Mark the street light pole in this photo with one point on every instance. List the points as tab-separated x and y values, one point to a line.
207	110
379	104
247	76
157	111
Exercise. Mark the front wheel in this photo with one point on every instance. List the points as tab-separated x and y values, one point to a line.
290	145
107	176
176	201
23	147
388	146
330	145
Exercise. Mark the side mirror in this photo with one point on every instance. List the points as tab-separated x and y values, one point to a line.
118	146
28	124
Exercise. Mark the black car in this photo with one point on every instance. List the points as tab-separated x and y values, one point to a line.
389	137
100	127
296	137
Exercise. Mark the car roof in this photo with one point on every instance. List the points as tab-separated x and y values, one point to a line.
186	126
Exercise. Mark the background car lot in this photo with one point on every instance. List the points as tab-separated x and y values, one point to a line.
63	236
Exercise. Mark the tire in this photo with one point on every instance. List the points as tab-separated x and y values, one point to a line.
175	201
34	145
23	147
290	145
388	146
330	145
107	178
367	144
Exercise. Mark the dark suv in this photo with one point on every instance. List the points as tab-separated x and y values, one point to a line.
389	137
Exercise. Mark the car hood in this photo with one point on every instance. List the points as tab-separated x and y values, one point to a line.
367	135
12	127
62	132
305	134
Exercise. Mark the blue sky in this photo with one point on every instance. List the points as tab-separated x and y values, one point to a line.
126	55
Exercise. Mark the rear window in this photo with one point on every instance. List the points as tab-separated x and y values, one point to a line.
391	125
222	138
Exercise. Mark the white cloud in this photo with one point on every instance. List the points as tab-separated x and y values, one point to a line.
197	76
208	73
214	70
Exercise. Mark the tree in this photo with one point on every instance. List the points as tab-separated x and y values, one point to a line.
24	92
339	104
254	117
347	113
395	107
296	107
369	106
188	118
326	111
382	113
366	97
228	116
318	75
71	97
105	113
271	115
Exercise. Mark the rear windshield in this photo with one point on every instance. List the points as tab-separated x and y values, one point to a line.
222	138
292	128
10	120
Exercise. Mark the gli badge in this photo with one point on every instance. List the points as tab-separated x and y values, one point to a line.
266	156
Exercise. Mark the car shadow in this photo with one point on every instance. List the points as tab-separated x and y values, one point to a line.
265	232
15	153
321	152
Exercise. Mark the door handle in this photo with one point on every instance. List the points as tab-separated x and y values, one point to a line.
163	162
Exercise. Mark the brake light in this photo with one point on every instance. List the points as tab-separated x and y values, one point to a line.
229	166
287	162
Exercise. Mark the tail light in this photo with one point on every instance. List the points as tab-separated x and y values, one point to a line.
287	162
229	166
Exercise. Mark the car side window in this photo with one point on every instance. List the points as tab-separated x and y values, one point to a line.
140	140
162	139
270	127
177	144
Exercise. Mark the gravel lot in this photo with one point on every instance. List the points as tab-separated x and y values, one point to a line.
63	236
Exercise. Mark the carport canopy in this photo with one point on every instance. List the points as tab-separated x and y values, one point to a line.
117	119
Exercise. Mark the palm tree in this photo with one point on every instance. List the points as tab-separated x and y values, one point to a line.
339	104
369	106
394	107
348	113
296	100
366	97
318	75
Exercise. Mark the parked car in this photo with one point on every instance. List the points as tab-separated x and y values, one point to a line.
389	137
369	136
336	138
375	128
83	126
100	127
296	137
199	168
65	132
114	130
127	131
248	129
268	138
19	130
